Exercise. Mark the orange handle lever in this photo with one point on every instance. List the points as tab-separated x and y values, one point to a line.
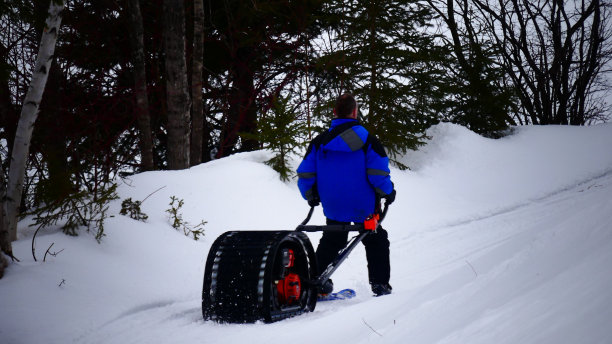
371	222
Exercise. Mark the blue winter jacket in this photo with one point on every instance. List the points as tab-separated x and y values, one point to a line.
348	168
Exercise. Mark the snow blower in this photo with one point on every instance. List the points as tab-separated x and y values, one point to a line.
270	275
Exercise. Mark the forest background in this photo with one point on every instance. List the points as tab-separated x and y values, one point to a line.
148	85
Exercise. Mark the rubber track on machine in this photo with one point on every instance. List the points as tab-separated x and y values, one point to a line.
237	284
236	270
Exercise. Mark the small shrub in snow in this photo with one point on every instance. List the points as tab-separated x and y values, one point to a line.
132	209
176	217
79	209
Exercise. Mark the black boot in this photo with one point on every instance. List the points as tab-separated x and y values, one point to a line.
381	289
327	287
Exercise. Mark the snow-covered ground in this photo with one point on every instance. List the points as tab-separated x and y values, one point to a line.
493	241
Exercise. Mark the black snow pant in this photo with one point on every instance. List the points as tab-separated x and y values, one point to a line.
376	246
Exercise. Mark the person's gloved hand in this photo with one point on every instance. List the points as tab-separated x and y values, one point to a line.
314	201
390	198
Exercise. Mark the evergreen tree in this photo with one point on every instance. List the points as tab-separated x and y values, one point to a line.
383	55
280	132
253	55
478	98
476	95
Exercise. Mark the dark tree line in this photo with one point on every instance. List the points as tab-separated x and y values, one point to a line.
555	54
143	85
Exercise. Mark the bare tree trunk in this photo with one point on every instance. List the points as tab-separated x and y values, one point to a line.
5	109
5	242
176	85
197	109
3	264
242	114
29	113
140	85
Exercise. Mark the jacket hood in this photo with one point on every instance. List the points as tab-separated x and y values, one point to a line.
346	140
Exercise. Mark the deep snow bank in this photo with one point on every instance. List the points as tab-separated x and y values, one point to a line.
461	176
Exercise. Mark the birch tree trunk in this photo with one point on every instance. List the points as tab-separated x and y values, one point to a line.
176	85
29	113
197	110
140	85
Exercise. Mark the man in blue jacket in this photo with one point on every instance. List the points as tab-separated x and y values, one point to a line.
346	169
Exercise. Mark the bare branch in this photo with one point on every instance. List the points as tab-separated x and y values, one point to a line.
54	254
370	327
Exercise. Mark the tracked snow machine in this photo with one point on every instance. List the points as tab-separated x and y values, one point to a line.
270	275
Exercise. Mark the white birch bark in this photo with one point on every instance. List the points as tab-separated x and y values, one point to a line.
29	113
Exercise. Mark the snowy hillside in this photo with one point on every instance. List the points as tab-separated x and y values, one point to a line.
492	241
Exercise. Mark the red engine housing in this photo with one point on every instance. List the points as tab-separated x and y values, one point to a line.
289	289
